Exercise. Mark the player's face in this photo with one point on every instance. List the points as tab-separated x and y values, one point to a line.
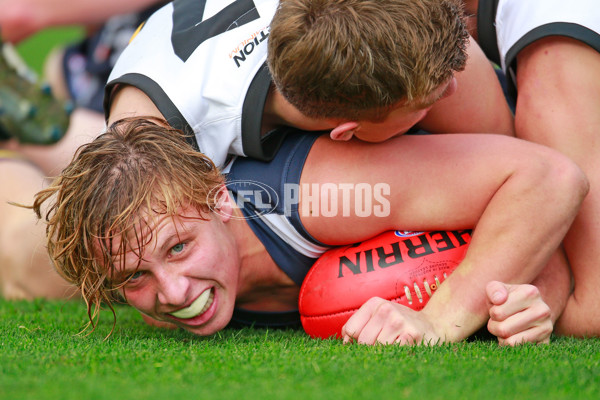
401	119
188	273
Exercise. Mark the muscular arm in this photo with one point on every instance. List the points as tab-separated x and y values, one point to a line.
520	197
558	82
478	106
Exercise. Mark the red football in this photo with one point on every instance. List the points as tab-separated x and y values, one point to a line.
404	267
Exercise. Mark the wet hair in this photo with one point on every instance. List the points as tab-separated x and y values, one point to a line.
103	202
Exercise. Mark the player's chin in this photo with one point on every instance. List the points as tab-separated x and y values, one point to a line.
207	330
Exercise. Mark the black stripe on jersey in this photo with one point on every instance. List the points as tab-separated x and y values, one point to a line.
164	104
566	29
486	29
254	145
190	30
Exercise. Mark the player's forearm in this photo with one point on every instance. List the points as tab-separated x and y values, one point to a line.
21	18
519	231
554	283
90	11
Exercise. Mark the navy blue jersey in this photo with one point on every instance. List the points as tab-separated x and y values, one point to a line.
261	190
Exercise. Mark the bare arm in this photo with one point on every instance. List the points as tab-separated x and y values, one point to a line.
129	101
22	18
520	197
558	79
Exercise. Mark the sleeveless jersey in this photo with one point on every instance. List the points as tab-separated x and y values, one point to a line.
259	188
505	27
202	63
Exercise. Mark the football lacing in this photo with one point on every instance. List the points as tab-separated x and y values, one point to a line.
429	289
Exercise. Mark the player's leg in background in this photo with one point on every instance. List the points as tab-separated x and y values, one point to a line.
25	268
35	123
558	105
77	73
84	125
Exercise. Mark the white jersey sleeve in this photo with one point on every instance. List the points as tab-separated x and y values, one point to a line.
203	64
505	27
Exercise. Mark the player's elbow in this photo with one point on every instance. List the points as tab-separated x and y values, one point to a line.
568	183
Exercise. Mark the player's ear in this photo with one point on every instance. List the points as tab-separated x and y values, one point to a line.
223	206
344	131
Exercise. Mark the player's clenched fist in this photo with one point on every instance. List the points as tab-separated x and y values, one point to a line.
518	314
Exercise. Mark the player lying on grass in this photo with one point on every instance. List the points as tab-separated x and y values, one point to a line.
140	214
550	51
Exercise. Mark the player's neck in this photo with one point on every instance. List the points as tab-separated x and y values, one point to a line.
262	285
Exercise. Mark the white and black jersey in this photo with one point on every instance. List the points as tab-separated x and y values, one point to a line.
203	64
505	27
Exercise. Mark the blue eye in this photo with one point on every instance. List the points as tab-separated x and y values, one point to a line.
178	248
135	275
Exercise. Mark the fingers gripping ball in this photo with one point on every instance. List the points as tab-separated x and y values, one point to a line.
404	267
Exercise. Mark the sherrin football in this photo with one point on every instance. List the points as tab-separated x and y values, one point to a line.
404	267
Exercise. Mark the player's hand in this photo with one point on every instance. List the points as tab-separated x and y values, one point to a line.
518	314
386	322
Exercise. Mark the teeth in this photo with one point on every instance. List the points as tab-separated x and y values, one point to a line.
199	306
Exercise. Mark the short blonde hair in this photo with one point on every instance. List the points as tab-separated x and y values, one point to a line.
340	58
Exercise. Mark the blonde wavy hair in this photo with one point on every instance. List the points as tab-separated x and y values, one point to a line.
97	209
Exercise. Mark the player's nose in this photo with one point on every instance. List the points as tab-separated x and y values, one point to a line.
172	289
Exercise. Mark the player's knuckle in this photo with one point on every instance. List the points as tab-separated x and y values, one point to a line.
493	328
501	330
374	301
386	309
547	329
541	313
545	312
531	291
496	313
395	323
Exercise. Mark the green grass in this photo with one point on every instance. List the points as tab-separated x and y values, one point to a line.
42	357
35	48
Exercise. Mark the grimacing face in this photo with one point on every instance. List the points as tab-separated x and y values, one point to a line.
188	273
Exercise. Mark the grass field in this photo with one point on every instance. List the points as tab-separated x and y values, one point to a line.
42	357
34	49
